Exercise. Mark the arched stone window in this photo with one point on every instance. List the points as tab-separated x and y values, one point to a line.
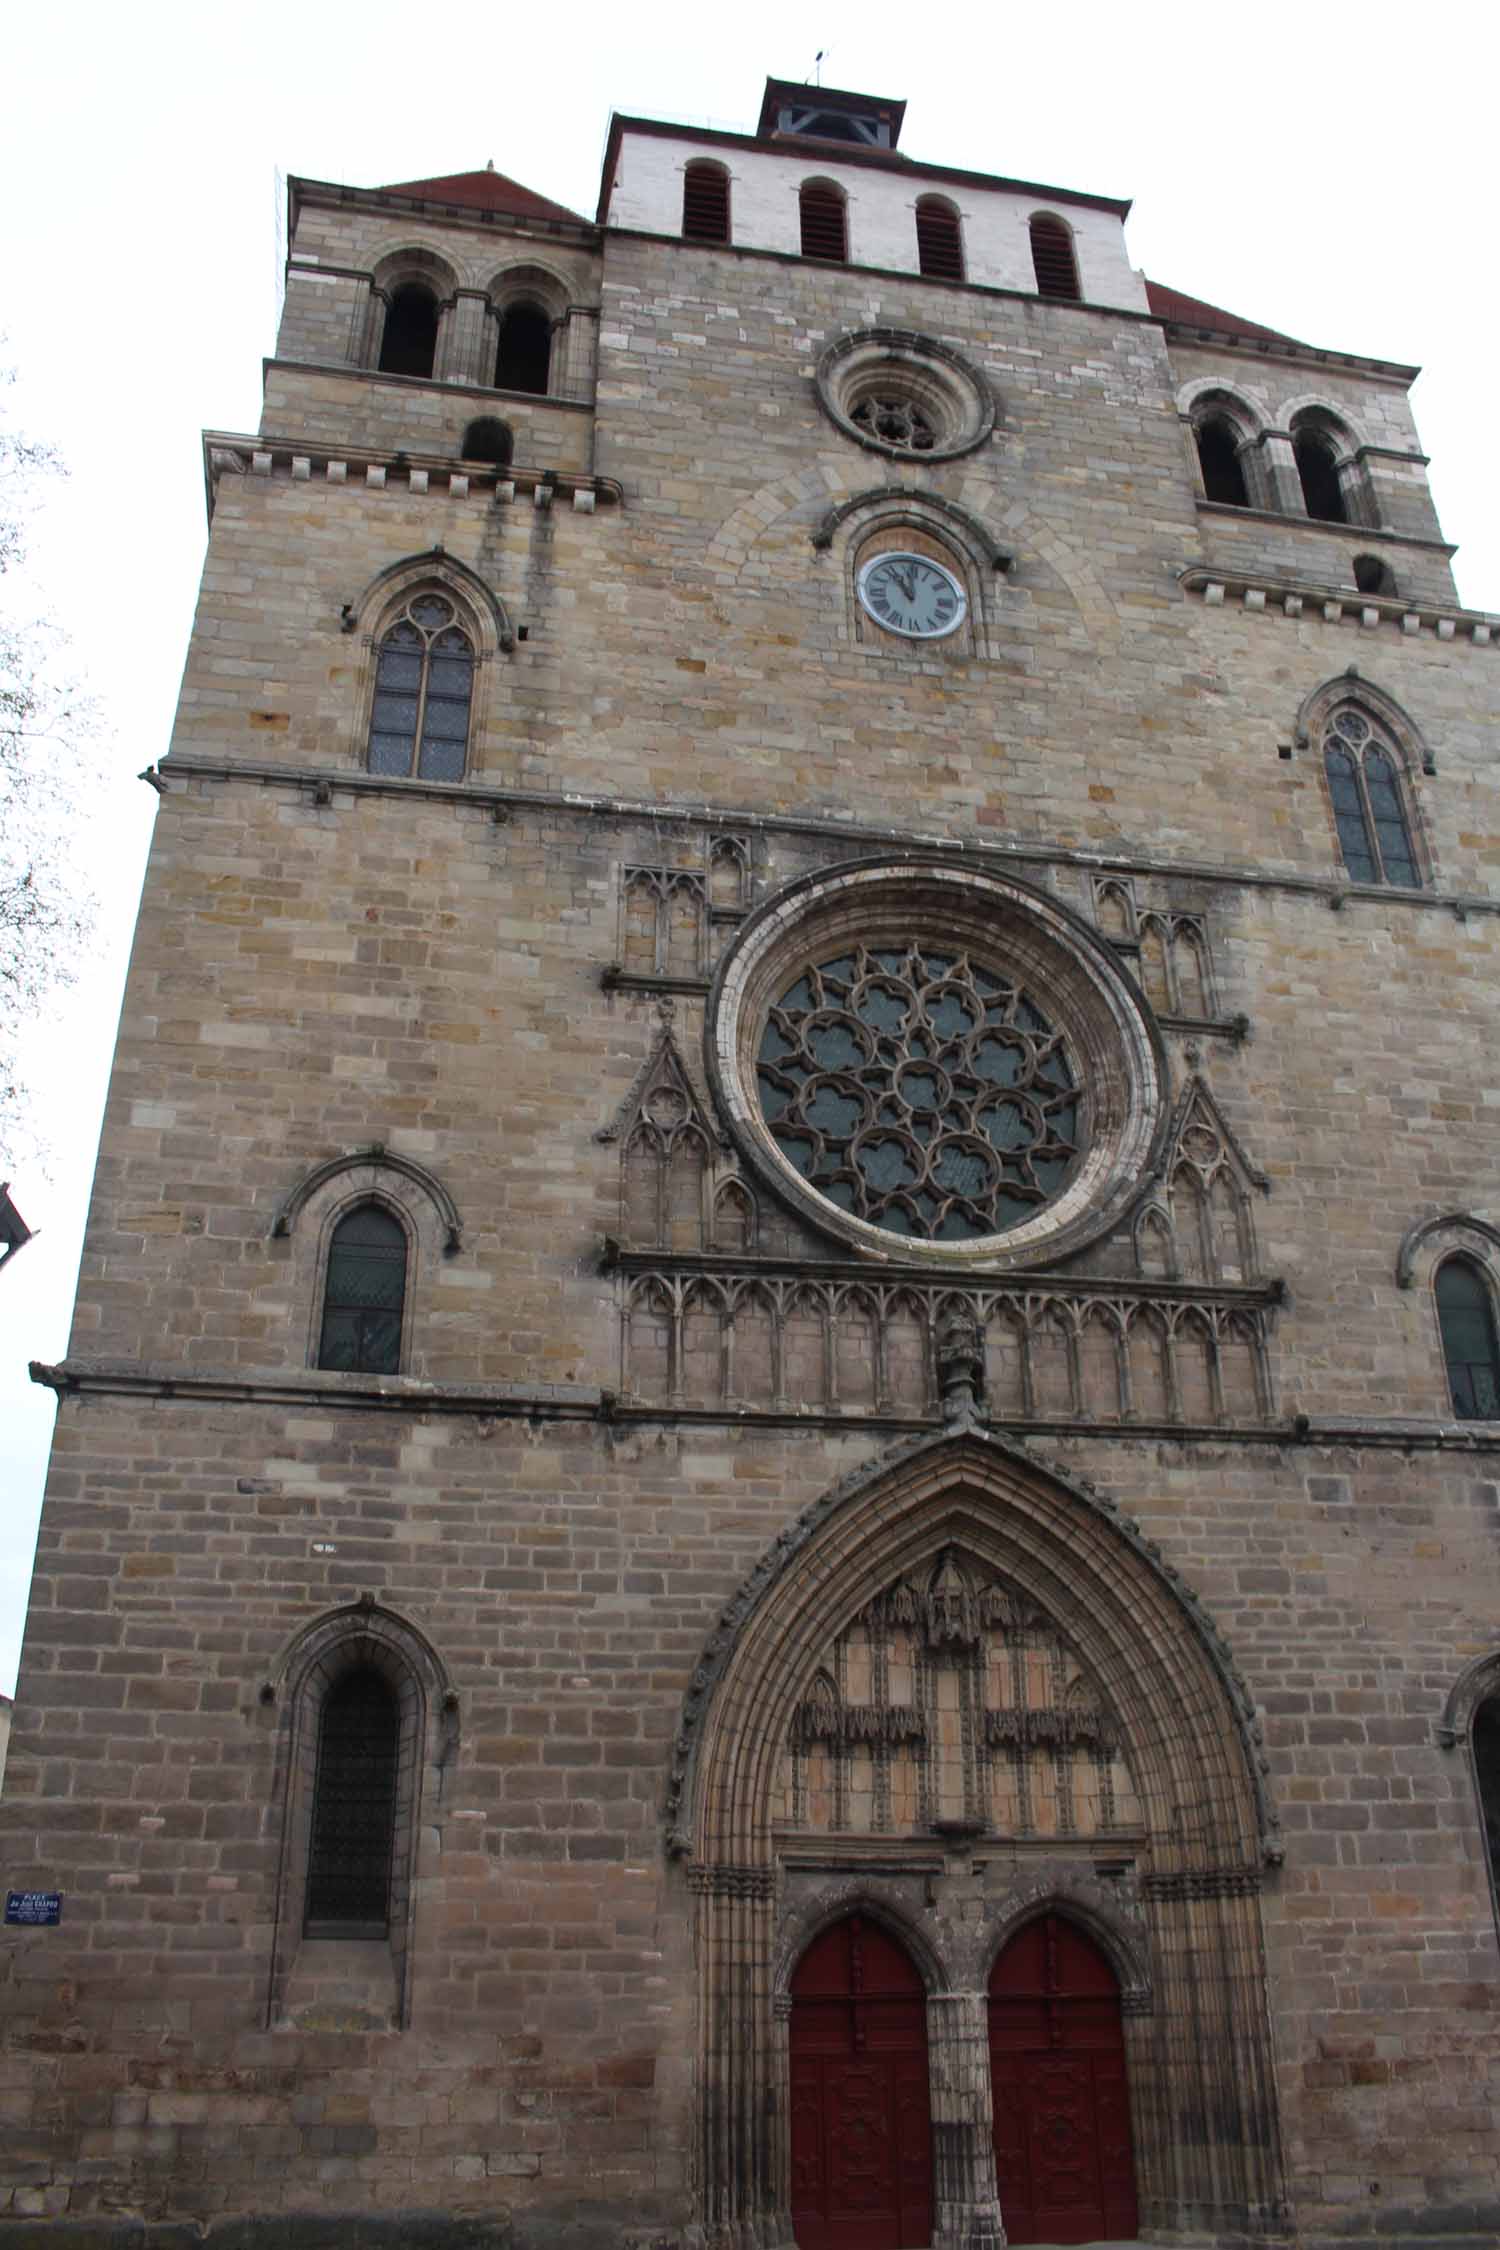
1317	468
354	1809
1052	258
424	691
1219	459
1372	576
705	203
825	221
523	360
408	345
1369	808
940	242
367	1719
364	1294
1466	1322
488	439
345	1280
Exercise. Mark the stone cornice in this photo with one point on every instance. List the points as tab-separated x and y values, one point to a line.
483	394
1298	597
332	196
1232	343
298	460
318	784
310	1388
1363	534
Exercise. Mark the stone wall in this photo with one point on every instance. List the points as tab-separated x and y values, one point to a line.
467	995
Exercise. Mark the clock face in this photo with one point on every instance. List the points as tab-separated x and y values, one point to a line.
909	594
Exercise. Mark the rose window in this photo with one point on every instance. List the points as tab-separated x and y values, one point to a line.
920	1090
895	421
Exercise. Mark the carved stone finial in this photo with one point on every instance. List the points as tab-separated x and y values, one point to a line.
960	1365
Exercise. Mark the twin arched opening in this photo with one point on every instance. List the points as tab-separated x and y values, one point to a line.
862	2157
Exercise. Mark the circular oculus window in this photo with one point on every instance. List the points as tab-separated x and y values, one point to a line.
911	595
905	395
936	1065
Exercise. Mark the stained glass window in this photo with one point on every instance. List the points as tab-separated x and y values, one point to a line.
1467	1324
354	1808
1368	809
365	1294
424	686
921	1090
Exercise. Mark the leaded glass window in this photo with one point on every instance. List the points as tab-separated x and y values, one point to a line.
1467	1323
424	687
354	1808
365	1294
1368	808
921	1090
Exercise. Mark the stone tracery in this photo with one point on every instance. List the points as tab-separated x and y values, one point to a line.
921	1090
954	1697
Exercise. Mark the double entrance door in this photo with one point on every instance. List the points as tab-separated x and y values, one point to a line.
861	2131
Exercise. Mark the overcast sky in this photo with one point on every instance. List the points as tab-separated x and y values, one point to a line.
1332	181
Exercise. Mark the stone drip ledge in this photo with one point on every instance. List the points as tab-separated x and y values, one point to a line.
310	1387
304	460
1030	860
1297	597
316	1386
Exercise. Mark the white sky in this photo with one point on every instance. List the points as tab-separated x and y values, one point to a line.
1329	176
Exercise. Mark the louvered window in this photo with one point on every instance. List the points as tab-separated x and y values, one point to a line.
940	249
364	1295
354	1809
1467	1324
1368	809
409	343
824	228
705	203
424	688
1052	259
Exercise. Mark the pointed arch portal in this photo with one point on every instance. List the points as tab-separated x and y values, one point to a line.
1064	2162
964	1677
861	2125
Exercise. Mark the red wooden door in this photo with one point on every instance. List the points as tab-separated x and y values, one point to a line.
1063	2156
861	2122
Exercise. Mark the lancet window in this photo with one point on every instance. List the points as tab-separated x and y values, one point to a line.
424	692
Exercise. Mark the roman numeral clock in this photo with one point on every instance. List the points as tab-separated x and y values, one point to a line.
912	595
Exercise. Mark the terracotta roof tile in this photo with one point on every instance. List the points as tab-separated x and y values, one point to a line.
1193	312
484	191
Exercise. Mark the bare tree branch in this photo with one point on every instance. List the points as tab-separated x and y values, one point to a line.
50	767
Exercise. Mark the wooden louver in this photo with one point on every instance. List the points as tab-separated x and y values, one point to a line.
1052	259
705	203
939	241
823	229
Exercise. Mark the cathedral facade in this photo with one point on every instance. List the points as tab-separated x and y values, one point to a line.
775	1500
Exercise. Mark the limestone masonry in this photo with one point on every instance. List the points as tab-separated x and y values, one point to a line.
775	1506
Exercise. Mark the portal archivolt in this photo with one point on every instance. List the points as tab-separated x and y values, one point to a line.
960	1693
